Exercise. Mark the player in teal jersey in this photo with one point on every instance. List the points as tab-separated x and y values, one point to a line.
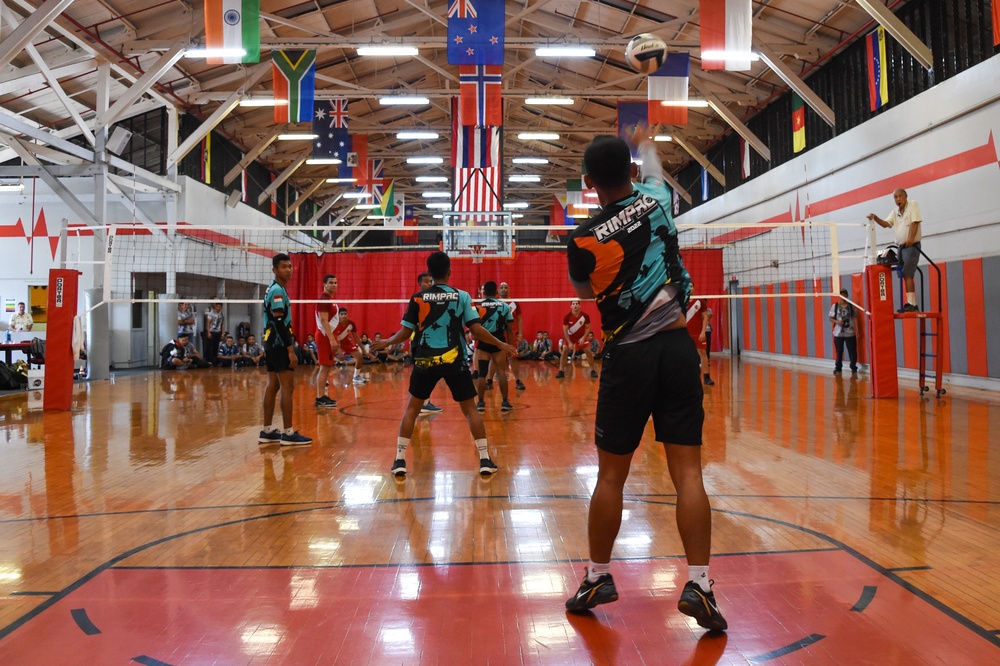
279	355
436	318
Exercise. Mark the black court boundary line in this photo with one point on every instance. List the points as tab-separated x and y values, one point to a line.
867	596
788	649
903	569
988	635
83	621
31	593
149	661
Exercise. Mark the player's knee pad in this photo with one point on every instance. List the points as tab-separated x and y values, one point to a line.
484	367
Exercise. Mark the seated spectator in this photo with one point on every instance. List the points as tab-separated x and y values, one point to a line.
523	349
383	355
253	353
399	353
590	343
366	344
180	354
229	354
309	351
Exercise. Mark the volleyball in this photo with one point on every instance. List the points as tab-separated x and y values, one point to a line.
646	53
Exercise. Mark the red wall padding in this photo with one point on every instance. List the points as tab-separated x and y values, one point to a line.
393	275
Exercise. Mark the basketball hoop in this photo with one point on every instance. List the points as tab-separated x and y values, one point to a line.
477	253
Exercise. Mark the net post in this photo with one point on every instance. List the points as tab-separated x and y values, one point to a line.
834	259
108	267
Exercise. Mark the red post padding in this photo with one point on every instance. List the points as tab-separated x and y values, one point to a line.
59	361
881	332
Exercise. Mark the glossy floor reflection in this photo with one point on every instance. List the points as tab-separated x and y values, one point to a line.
148	525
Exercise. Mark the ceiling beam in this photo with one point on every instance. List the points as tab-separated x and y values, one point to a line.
701	159
282	177
900	32
37	20
254	152
59	92
122	105
795	83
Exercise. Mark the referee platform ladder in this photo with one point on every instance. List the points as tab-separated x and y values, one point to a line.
882	336
930	327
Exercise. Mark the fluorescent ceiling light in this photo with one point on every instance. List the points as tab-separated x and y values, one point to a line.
263	101
566	51
11	187
432	179
438	217
387	50
730	55
436	195
416	135
538	136
357	195
516	216
591	195
341	180
323	160
379	217
516	204
525	178
530	160
214	53
438	205
401	100
690	103
539	101
297	137
663	137
366	206
424	160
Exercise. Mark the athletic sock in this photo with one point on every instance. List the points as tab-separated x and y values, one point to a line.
481	446
289	431
595	570
401	444
911	297
700	577
272	428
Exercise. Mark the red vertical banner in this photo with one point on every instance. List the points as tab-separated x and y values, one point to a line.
881	332
59	361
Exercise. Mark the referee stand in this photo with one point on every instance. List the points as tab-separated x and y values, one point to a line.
882	330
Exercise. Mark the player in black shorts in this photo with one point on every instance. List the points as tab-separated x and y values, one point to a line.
496	317
627	259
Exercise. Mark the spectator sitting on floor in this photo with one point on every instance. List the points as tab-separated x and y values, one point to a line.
309	352
253	353
229	354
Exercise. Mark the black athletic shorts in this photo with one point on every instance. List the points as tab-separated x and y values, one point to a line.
658	377
456	376
276	359
487	348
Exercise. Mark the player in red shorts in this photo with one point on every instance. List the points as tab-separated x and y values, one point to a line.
347	335
327	345
576	325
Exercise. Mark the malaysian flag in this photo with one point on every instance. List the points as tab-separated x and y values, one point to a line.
479	92
330	126
476	159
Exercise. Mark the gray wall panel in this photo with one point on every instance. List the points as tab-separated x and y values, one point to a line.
958	350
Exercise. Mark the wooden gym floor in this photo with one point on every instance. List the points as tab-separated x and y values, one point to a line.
147	526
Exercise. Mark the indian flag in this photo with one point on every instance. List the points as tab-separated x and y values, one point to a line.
233	24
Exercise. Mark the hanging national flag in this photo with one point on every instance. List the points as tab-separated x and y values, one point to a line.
476	32
631	114
878	82
374	183
704	184
329	125
798	124
294	80
409	220
577	198
725	27
233	24
473	146
352	151
996	22
669	84
206	159
475	188
479	92
558	217
386	206
744	159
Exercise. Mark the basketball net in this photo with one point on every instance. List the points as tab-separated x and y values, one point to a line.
478	252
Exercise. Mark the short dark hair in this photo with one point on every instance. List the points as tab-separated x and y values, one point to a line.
438	265
608	161
341	310
490	288
844	292
278	258
183	335
420	278
328	276
229	337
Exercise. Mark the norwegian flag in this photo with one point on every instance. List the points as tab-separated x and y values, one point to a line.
479	91
462	9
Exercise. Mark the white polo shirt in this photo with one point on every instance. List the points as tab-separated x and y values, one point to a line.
901	222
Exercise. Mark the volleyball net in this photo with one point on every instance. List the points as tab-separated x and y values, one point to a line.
232	265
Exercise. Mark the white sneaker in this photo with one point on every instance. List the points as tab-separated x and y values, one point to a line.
359	379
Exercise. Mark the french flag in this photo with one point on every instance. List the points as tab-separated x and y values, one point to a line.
725	26
667	91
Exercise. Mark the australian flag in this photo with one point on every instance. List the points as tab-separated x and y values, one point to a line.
330	124
476	32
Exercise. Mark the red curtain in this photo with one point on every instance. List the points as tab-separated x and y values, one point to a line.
393	276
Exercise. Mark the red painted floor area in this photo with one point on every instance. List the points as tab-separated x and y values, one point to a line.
496	614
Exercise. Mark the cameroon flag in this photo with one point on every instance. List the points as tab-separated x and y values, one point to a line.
798	124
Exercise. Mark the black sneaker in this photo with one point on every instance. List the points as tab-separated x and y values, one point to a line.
708	381
325	401
593	374
837	371
487	466
269	437
399	467
519	385
702	607
560	374
505	406
910	308
430	408
592	594
295	439
481	406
